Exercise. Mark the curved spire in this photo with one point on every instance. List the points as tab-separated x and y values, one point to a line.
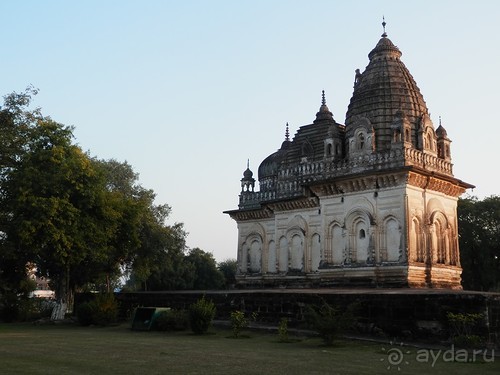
386	89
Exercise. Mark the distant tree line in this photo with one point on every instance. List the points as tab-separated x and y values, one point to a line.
83	222
479	238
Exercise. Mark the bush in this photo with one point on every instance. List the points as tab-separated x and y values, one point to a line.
35	308
462	326
102	311
468	341
328	321
172	320
201	314
283	330
239	322
105	309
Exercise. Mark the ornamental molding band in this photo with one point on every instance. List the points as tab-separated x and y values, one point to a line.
371	202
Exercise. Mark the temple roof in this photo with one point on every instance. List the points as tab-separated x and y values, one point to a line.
384	89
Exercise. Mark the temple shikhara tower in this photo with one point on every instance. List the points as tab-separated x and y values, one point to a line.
369	203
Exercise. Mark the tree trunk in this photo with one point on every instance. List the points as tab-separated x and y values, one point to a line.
59	311
62	298
108	283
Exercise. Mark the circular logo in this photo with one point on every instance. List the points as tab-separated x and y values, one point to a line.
395	356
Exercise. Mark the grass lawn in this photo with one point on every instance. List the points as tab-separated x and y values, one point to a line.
67	349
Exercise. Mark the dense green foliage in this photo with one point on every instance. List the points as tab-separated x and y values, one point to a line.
479	233
102	310
462	329
81	221
228	269
206	274
201	314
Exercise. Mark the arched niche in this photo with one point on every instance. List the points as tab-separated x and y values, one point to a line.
250	257
416	241
296	236
440	239
358	224
253	251
296	255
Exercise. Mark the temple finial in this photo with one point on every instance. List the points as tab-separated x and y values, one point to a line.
384	35
439	120
248	163
323	100
287	133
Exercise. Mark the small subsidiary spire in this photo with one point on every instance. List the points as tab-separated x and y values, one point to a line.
287	133
324	113
384	35
247	182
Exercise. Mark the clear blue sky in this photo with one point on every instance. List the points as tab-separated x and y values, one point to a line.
187	91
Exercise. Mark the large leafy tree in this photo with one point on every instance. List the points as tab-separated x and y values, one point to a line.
160	263
54	198
123	209
76	218
16	124
80	220
479	230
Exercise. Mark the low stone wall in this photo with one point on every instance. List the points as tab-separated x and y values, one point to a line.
420	313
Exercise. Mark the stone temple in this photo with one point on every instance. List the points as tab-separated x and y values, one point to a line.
369	203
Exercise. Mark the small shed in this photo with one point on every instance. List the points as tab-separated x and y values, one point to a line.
144	317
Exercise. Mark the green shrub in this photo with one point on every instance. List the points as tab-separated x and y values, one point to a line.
105	309
468	341
283	330
328	321
85	313
172	320
239	321
462	327
201	314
